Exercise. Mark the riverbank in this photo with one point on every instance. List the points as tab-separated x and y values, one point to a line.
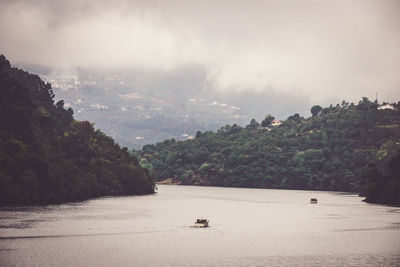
169	181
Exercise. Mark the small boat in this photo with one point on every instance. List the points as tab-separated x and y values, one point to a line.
201	223
313	201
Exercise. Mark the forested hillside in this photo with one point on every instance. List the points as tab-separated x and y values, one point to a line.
329	151
46	156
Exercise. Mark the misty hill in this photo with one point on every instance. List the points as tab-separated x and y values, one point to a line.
329	151
138	107
46	156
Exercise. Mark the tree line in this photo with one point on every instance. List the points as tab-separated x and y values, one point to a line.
331	150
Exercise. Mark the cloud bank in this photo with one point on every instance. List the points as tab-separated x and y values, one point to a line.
324	50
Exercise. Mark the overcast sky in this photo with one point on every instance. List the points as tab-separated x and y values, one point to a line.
319	50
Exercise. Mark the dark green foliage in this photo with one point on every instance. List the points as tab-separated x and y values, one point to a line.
315	110
325	152
267	120
382	184
47	157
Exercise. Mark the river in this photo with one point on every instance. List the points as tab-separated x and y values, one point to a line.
248	227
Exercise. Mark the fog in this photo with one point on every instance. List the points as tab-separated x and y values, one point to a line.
318	51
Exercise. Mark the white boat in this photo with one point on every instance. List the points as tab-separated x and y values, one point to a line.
201	223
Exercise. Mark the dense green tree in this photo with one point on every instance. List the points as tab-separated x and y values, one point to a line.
315	110
382	185
253	124
267	120
48	157
296	118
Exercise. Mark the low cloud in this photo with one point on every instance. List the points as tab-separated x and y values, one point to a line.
324	51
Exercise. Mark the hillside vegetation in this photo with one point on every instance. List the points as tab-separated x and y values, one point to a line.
46	156
332	150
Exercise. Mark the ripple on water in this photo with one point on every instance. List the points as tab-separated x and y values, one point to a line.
362	260
248	228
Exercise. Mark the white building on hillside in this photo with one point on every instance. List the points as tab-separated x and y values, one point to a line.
276	123
386	106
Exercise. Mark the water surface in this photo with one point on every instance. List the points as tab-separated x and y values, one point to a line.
253	227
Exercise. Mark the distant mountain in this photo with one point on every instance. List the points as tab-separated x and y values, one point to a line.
46	156
329	151
139	107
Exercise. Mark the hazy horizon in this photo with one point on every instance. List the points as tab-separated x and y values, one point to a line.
311	51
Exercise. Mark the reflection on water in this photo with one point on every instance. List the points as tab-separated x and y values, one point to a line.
248	227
